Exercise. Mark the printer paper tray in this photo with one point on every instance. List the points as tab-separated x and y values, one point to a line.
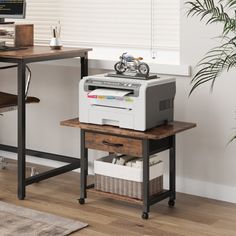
111	116
121	108
112	103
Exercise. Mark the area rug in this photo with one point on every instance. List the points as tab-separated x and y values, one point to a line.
21	221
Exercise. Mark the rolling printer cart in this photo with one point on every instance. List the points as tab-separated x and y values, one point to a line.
134	143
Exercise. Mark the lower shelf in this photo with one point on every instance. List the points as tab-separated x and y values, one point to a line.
124	198
116	196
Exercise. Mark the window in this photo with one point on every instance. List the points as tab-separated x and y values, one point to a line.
149	26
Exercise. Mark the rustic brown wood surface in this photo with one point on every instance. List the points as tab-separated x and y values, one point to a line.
24	35
42	51
116	196
119	197
191	216
155	133
111	143
8	100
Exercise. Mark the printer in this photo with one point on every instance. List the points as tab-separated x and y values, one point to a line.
126	103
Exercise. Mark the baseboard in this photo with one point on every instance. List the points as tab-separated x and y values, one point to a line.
204	189
184	185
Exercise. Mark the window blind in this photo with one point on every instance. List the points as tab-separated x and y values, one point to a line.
140	24
43	14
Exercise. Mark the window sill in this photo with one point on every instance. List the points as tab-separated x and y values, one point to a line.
183	70
172	69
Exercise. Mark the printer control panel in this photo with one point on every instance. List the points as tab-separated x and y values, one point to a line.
113	84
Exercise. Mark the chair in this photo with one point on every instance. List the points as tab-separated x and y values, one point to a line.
8	102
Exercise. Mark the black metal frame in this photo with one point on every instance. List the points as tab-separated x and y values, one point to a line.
150	147
21	150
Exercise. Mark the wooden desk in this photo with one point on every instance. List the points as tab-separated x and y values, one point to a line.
124	141
21	58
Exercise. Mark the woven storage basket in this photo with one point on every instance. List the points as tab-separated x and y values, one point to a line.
126	187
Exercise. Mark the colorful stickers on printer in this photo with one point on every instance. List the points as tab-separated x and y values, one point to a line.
127	99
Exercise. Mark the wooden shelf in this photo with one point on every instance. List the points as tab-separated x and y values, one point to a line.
159	132
116	196
124	198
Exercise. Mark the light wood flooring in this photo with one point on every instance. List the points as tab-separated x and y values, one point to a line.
192	216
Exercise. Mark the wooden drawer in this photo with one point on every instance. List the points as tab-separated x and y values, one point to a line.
111	143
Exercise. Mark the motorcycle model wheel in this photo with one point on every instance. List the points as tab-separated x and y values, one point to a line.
143	69
120	67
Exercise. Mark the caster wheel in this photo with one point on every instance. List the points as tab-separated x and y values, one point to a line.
171	203
81	201
145	215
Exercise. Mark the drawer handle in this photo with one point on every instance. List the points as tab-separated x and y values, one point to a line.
112	144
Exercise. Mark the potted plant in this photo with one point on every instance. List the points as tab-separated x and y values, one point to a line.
223	57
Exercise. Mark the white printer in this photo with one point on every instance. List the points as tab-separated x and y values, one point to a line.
126	103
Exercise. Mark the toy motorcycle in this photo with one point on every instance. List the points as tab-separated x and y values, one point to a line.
128	62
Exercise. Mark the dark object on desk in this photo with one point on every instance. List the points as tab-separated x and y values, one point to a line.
56	47
132	75
12	9
11	48
24	35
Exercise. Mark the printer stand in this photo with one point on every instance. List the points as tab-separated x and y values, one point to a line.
134	143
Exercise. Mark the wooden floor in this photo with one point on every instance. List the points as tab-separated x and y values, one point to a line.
191	216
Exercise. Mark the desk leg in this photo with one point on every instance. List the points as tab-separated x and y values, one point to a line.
83	168
172	166
84	65
146	206
21	130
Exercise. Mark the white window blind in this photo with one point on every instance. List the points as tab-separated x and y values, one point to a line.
144	24
43	14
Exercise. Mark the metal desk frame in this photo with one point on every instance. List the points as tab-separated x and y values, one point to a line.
73	163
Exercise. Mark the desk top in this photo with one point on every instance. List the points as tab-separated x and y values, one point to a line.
43	52
155	133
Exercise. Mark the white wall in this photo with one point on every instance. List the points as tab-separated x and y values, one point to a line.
208	166
57	88
205	166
